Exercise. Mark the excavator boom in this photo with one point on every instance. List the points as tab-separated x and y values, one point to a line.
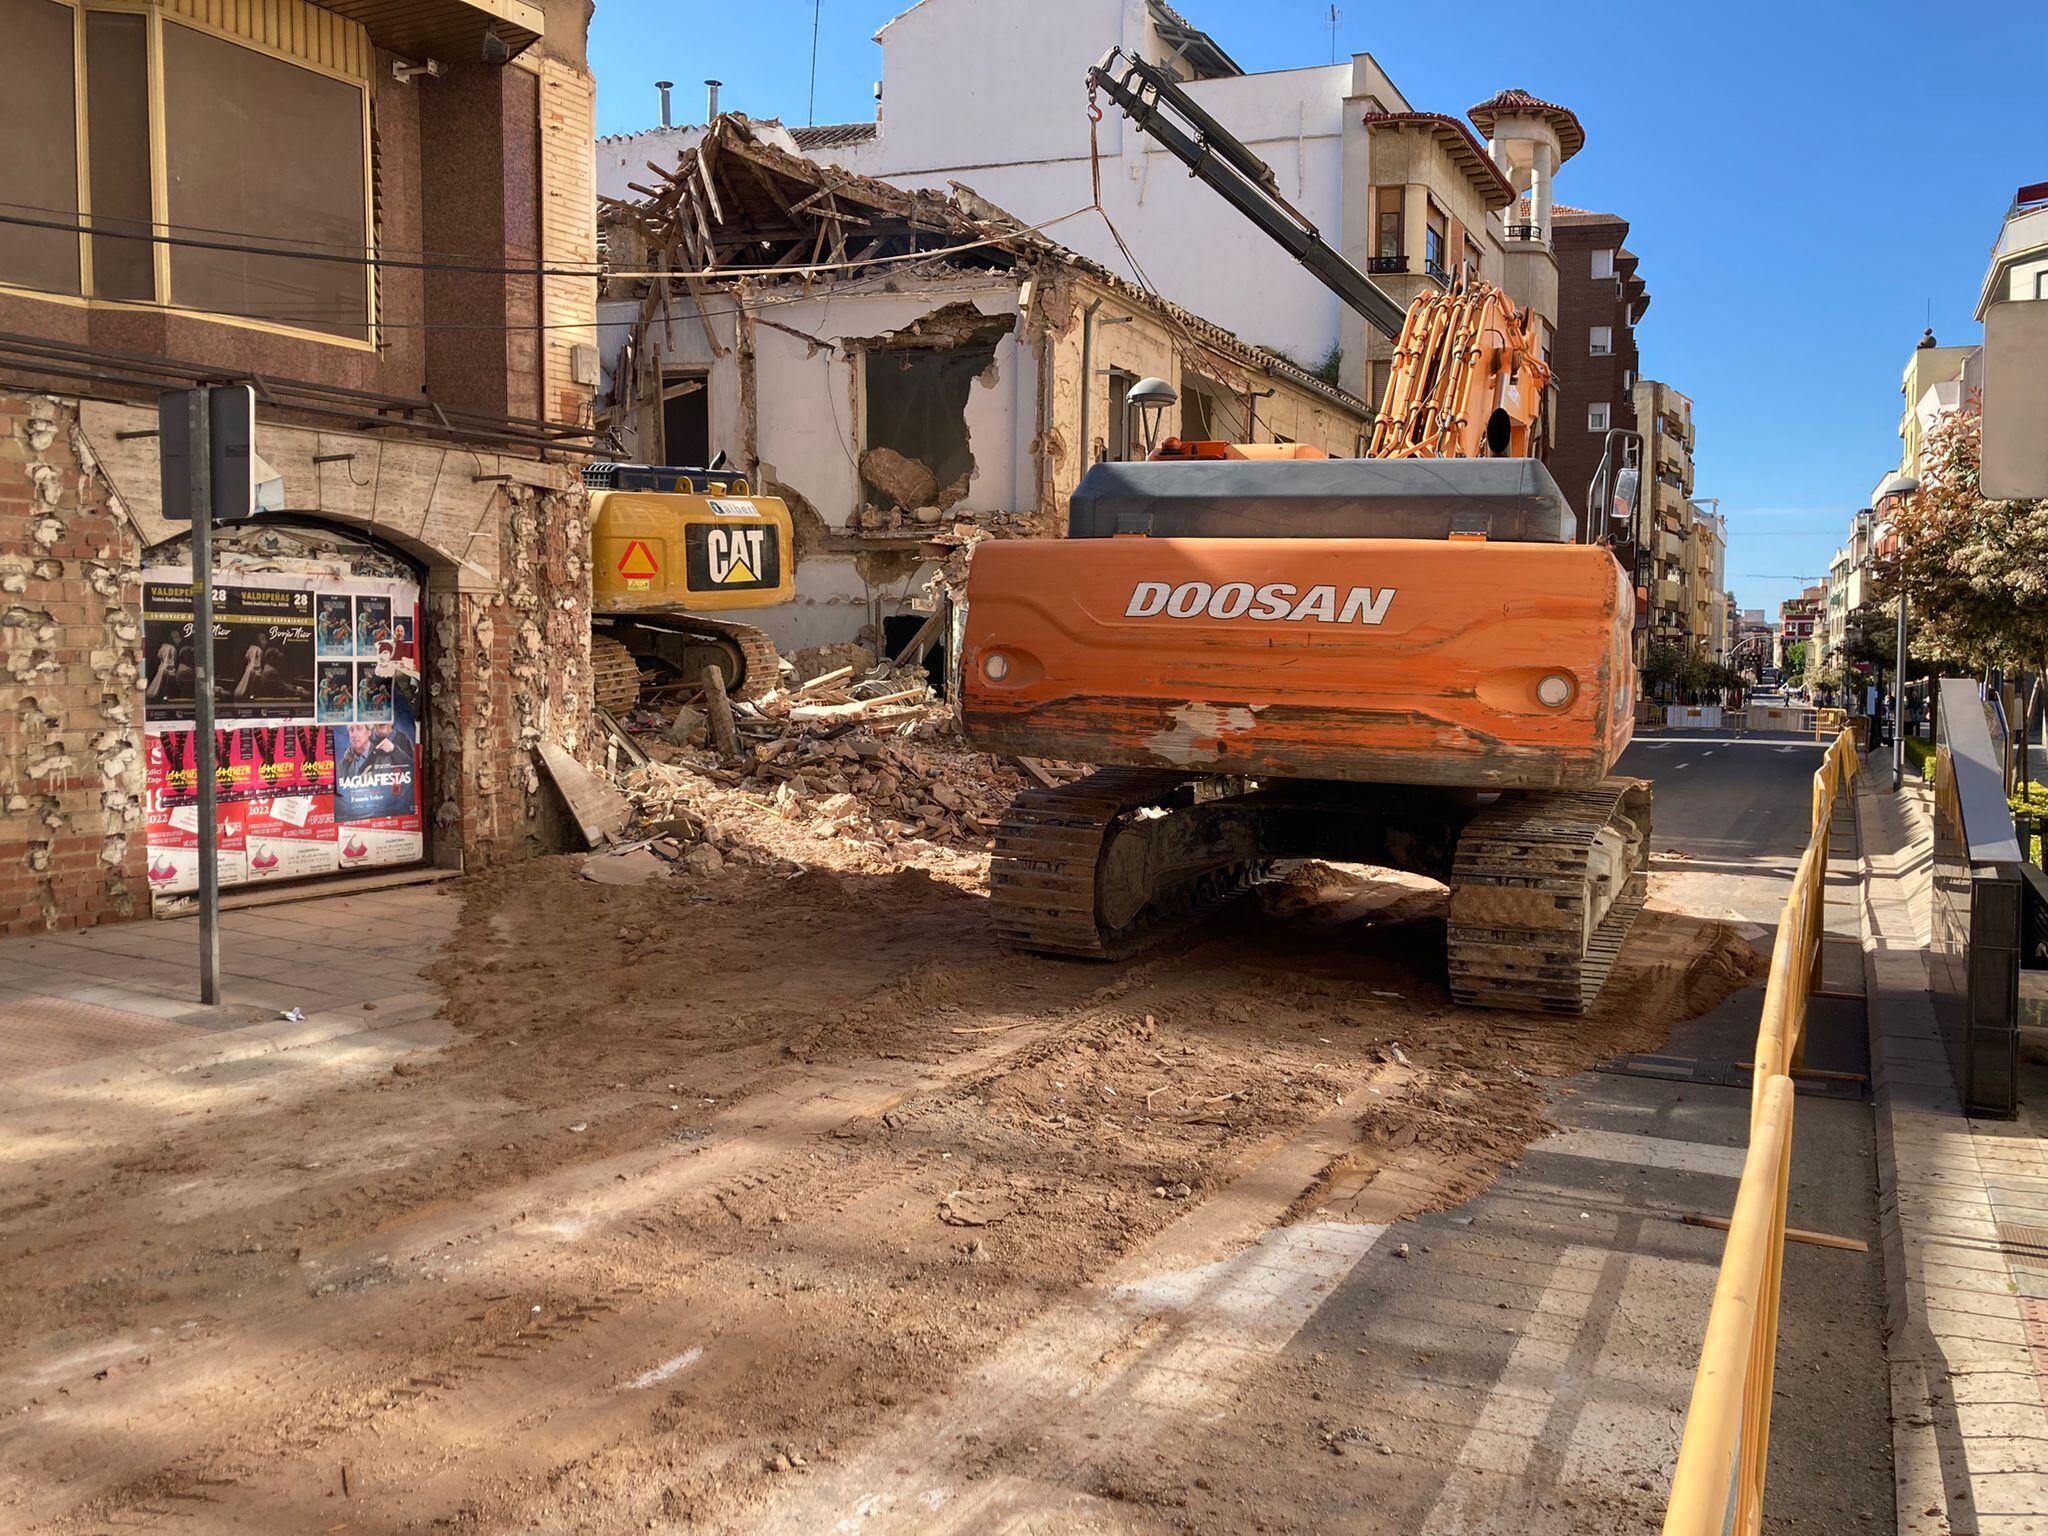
1154	101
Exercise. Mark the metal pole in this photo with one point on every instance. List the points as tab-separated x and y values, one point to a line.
1899	704
199	447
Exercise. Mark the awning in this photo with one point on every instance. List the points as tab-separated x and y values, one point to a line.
452	31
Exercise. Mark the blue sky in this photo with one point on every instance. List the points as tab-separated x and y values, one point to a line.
1808	184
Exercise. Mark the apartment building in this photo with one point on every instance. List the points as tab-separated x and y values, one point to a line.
1601	298
1931	386
1799	619
396	639
1848	585
1665	566
1705	566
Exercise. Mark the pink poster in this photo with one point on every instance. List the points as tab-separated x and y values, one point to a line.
290	836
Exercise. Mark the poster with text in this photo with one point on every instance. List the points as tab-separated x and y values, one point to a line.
171	834
291	836
262	652
377	788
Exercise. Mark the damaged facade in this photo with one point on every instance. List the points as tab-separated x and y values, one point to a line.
929	368
424	396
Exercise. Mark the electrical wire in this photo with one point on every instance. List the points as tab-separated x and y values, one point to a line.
594	273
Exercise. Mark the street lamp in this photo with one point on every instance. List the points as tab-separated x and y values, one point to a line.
1149	399
1895	490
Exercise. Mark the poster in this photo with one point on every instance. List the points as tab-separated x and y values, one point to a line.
377	810
291	836
318	762
262	652
172	830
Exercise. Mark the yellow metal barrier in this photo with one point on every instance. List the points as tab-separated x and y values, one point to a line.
1719	1485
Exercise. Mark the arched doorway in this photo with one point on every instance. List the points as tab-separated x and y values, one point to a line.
320	717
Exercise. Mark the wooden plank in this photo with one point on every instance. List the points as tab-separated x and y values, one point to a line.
601	812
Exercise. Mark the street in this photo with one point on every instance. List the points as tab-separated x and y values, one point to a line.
653	1227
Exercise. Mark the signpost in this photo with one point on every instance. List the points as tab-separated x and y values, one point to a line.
207	440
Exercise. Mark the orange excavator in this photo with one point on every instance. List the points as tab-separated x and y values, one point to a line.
1417	659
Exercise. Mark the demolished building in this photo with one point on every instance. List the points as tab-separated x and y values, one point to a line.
898	366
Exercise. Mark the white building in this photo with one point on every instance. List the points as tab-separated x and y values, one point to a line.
994	98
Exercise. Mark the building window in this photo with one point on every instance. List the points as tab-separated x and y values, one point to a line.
208	136
1596	418
1387	206
1602	344
1433	237
686	419
1472	257
1603	264
1120	414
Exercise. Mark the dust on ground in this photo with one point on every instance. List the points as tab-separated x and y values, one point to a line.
716	1175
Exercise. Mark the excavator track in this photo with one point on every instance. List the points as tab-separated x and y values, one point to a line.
1526	870
744	653
1057	888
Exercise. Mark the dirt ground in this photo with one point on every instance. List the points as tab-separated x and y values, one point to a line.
717	1182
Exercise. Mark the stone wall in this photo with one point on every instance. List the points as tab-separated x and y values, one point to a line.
71	751
506	668
506	546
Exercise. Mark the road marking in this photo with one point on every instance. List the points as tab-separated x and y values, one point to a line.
1588	1406
1708	753
1646	1151
1685	765
1159	1354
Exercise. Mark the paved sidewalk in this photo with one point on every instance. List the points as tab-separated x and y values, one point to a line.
124	996
1967	1319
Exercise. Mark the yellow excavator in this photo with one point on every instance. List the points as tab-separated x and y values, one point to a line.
669	546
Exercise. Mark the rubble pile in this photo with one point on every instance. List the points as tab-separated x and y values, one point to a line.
873	759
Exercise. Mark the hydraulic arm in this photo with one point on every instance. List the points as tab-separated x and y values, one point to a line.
1154	101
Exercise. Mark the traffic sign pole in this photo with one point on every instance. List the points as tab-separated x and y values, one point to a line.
199	467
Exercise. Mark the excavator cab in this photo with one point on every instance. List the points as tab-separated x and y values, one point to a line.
670	545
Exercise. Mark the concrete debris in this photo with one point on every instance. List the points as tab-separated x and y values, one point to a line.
871	759
905	481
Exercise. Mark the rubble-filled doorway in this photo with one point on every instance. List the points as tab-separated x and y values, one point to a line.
903	629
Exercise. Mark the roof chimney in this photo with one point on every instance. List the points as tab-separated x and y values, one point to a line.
711	99
664	86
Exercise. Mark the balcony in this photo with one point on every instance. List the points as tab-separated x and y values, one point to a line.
1436	270
1380	266
1530	232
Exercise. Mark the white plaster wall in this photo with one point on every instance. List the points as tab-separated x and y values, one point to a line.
995	98
810	433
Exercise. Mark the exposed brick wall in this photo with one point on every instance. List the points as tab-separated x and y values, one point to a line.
71	754
507	668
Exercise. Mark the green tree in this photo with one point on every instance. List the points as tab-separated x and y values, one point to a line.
1974	571
1795	658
